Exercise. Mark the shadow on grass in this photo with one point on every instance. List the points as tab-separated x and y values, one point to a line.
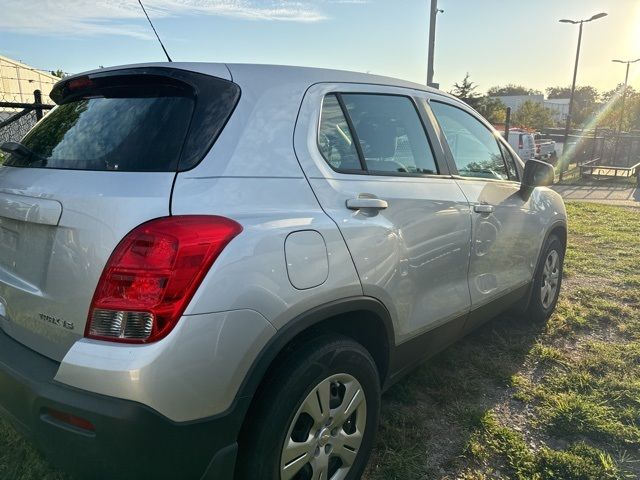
429	416
19	460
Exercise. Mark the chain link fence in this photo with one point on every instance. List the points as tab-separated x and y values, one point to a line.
17	117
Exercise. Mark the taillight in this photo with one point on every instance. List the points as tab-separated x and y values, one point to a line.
152	275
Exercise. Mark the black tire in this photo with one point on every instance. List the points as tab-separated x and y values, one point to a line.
540	309
309	365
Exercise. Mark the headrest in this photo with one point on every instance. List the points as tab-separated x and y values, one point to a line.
378	136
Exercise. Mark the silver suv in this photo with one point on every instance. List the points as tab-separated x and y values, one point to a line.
212	271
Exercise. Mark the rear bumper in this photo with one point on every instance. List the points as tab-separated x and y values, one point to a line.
130	440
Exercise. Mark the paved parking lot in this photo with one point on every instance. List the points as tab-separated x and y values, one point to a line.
609	194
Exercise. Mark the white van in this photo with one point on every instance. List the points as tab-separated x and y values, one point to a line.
523	143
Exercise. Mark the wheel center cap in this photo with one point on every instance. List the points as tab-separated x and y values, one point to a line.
324	437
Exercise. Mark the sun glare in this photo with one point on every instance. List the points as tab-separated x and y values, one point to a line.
636	32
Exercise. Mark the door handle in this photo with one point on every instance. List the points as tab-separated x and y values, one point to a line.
366	202
483	208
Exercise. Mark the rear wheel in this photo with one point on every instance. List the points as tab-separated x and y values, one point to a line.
547	281
317	416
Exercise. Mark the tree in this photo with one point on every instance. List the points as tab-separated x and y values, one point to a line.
58	73
492	109
466	91
533	115
612	108
585	101
511	89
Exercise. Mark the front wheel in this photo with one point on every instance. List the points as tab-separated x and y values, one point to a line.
547	281
317	416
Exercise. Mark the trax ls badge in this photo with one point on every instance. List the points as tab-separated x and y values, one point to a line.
58	322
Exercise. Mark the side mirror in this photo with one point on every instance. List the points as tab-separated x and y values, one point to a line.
536	174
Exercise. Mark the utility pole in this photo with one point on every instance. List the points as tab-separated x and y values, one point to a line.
573	86
432	41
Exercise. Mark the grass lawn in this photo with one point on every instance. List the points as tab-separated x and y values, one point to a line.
514	400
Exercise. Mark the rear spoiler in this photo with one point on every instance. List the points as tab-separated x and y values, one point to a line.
89	84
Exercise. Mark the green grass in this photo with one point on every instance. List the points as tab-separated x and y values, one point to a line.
513	400
19	460
519	460
521	401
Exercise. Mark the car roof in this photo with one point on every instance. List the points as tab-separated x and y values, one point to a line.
307	75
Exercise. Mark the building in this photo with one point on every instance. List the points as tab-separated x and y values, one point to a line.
559	106
516	101
17	84
18	81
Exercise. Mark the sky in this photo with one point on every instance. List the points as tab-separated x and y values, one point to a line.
495	41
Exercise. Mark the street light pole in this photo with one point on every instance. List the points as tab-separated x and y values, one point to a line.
571	98
624	92
624	98
573	85
432	41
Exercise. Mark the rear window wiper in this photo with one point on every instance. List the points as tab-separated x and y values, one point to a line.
17	148
21	150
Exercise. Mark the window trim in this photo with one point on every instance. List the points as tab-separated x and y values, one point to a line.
354	135
352	131
454	167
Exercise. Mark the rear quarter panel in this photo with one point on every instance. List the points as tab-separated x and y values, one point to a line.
253	176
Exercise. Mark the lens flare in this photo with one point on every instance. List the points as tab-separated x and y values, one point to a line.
568	153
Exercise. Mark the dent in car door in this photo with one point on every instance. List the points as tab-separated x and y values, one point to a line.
408	232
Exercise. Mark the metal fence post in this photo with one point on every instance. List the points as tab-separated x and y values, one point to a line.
595	144
507	124
37	95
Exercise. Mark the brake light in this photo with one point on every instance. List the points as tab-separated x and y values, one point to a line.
152	275
79	83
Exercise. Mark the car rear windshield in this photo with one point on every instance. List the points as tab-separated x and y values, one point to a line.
127	123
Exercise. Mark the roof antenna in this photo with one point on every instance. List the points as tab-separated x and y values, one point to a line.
154	30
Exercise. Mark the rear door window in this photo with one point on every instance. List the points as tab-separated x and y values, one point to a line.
377	133
127	123
391	134
334	137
